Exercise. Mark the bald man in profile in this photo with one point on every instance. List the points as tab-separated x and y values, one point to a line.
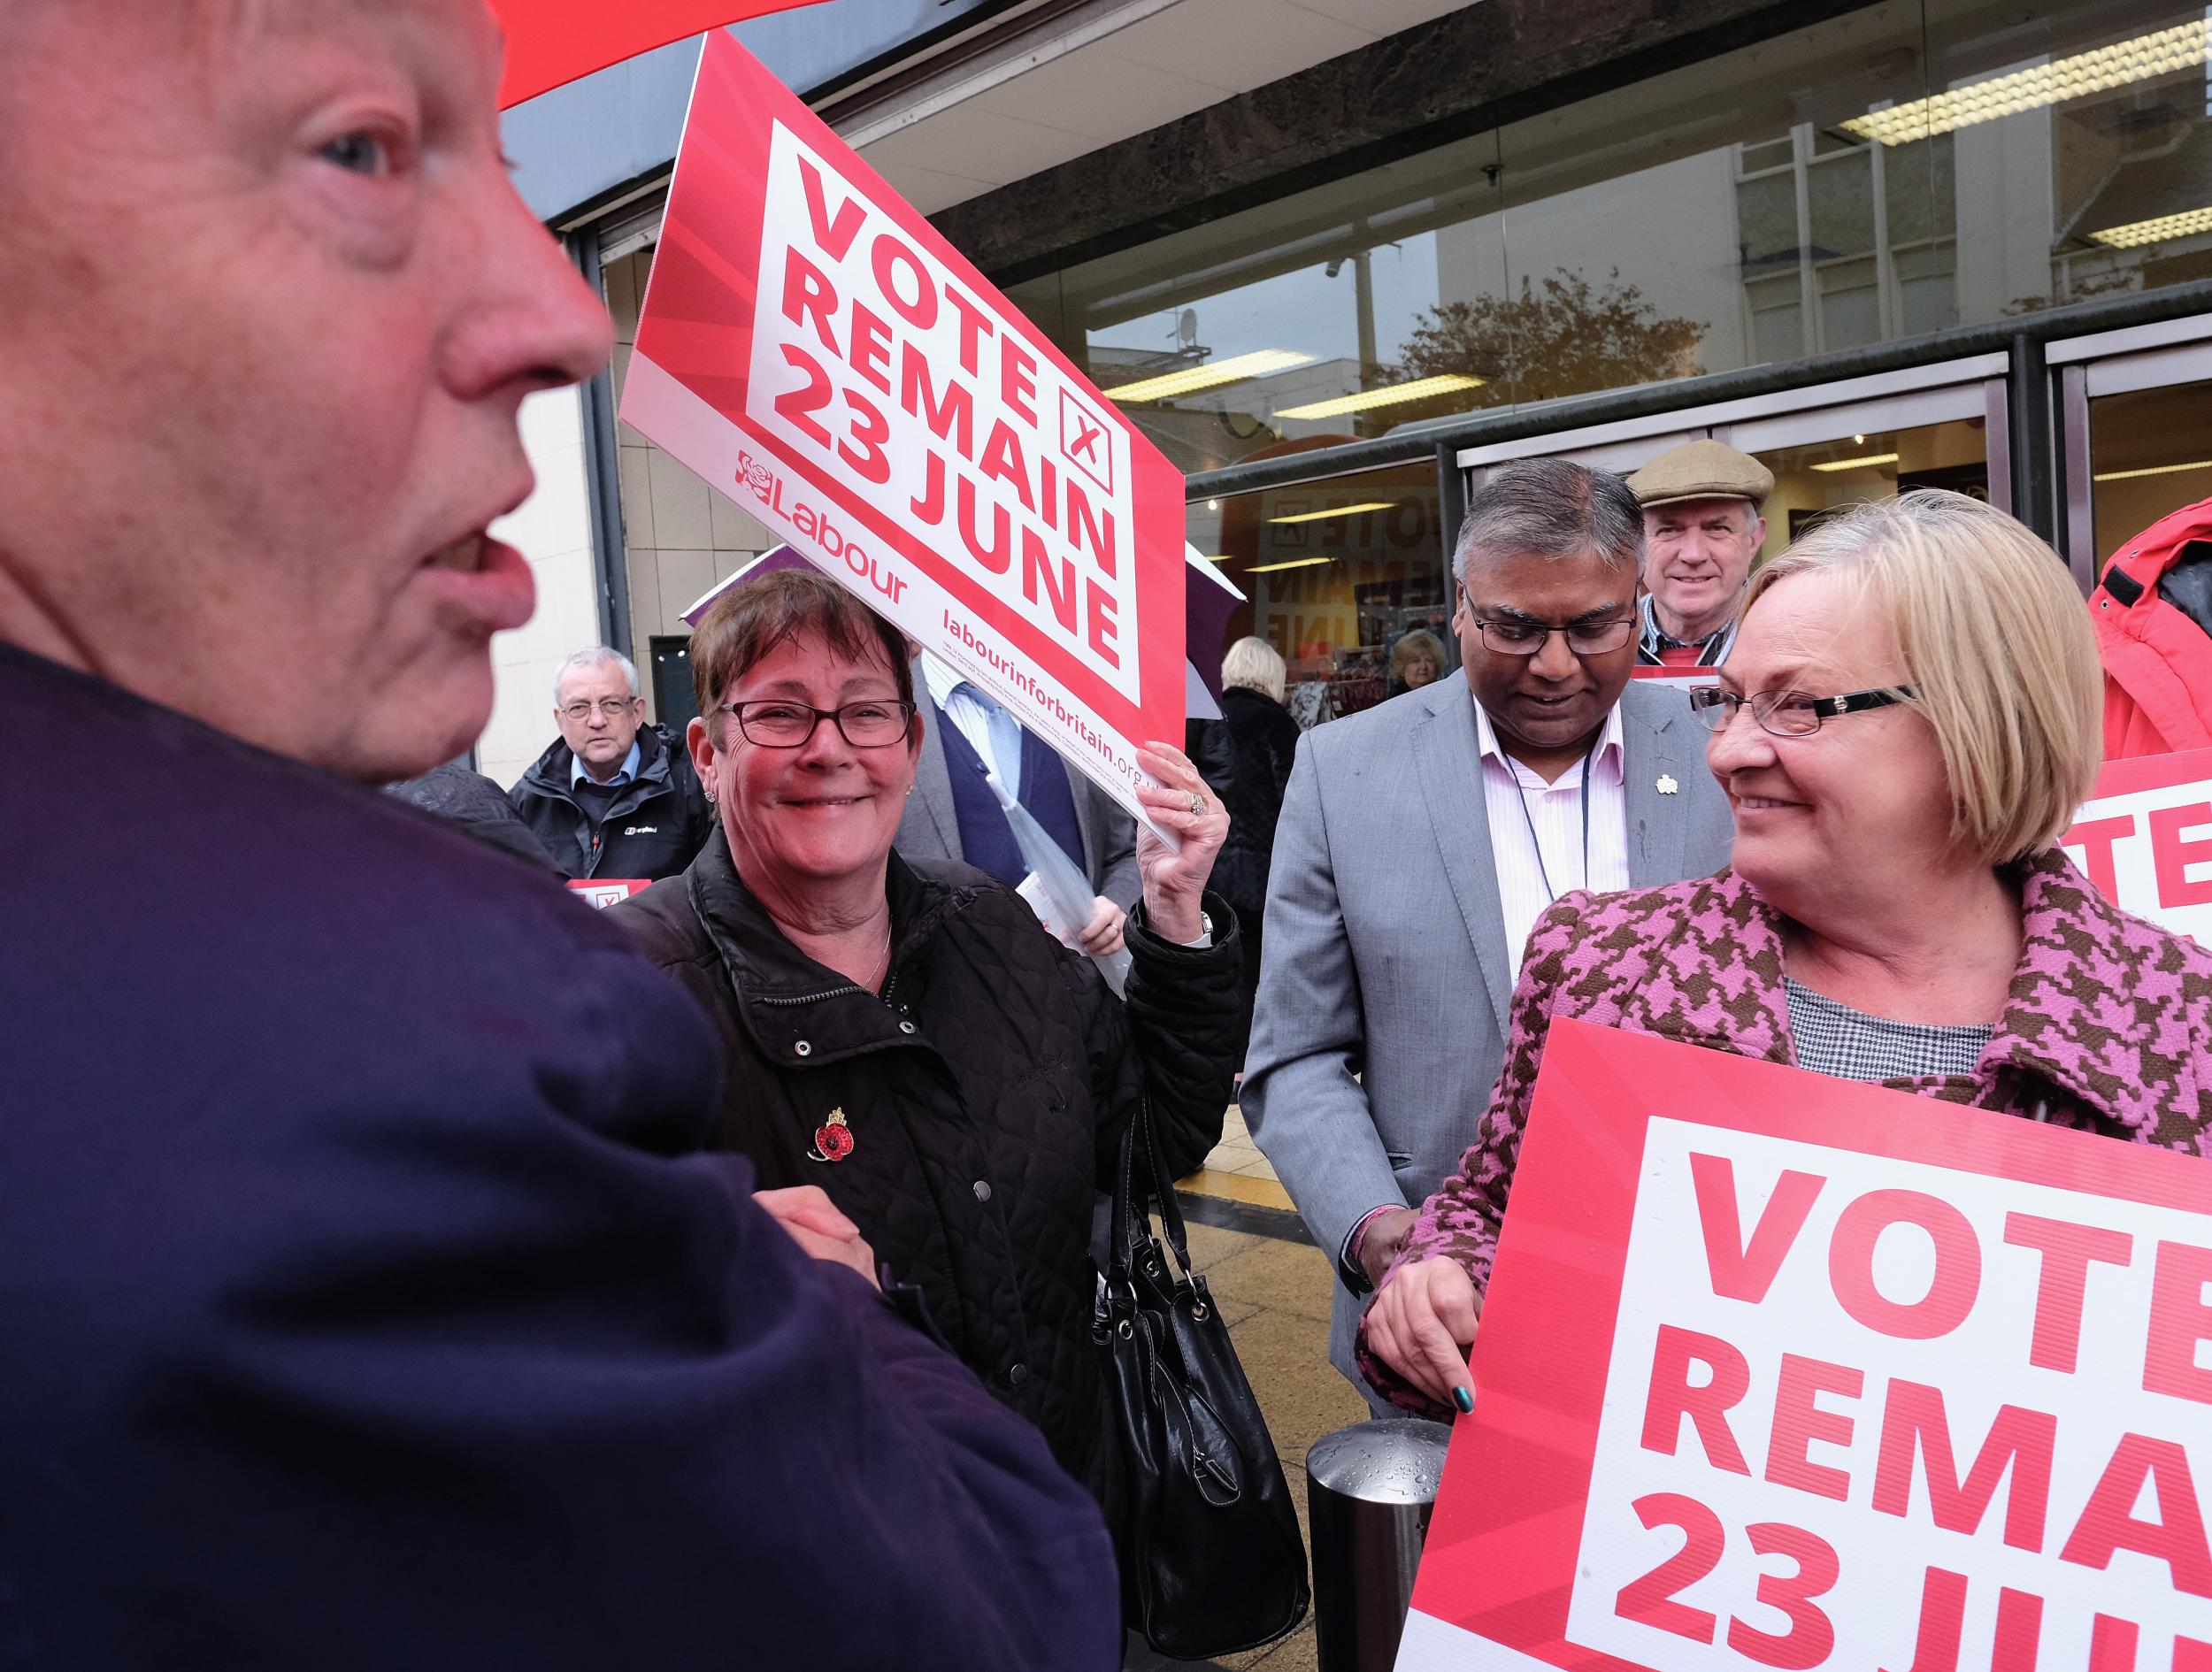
364	1302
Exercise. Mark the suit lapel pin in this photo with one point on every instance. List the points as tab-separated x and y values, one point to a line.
833	1139
1667	785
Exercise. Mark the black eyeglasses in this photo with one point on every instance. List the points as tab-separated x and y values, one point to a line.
1526	637
1788	713
779	724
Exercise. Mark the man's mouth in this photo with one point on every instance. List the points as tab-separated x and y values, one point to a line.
463	557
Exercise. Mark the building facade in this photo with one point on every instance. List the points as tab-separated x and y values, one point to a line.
1341	257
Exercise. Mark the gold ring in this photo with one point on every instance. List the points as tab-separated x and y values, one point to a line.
1197	804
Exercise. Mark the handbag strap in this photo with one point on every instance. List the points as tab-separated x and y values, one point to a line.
1141	1188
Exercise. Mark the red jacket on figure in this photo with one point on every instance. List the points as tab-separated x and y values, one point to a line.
2153	613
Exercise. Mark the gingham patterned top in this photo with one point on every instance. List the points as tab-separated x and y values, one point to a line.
1834	1040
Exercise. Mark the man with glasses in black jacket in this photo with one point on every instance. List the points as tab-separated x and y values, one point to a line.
612	796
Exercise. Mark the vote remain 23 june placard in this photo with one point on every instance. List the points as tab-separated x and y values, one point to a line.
1780	1371
815	351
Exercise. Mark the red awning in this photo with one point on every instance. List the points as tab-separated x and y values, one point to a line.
550	43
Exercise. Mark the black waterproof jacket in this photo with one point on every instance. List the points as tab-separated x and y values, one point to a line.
652	827
984	1096
1259	740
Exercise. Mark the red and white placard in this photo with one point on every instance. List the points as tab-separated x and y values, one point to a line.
599	893
1781	1371
2147	838
815	351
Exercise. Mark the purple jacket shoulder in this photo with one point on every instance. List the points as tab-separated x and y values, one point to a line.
369	1304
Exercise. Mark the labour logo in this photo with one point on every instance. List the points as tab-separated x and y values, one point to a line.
758	476
1086	442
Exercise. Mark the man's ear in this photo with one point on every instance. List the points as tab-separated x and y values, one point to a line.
700	747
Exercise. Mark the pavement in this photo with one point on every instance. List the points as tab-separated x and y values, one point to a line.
1273	1288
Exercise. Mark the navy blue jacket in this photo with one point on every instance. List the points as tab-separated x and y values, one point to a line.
364	1302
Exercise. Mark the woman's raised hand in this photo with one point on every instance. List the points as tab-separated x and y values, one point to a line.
1421	1326
1174	879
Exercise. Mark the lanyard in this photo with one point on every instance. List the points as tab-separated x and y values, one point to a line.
1543	871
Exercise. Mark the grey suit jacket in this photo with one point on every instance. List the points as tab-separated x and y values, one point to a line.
930	826
1384	994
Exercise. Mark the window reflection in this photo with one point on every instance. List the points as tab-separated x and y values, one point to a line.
1901	169
1813	482
2150	453
1336	575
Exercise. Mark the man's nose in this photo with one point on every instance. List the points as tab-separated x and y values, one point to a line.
532	323
1554	659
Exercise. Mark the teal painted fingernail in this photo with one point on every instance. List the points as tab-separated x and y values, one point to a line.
1465	1400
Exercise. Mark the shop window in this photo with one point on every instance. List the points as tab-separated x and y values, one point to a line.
675	699
1812	482
1902	168
1335	573
2150	453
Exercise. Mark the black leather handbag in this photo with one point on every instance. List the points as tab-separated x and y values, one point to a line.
1211	1559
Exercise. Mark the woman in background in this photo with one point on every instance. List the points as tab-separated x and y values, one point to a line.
1416	660
1248	758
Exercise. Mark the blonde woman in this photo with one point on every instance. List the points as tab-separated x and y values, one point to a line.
1416	660
1909	720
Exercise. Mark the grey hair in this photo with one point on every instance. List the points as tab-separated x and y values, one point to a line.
597	655
1551	508
1254	664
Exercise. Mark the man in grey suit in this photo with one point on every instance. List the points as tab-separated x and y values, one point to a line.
1420	840
953	813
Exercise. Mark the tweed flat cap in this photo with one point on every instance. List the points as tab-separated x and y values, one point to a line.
1701	470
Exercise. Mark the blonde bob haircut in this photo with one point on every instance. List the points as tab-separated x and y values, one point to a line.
1254	664
1995	640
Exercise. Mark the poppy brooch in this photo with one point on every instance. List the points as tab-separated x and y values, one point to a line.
833	1139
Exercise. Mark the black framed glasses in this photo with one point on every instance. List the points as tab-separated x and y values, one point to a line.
778	723
1526	637
1788	713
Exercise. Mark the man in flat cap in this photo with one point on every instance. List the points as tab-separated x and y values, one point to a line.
1702	530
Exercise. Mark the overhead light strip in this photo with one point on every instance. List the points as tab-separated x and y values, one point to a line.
1237	369
1857	463
1335	511
2155	469
1391	395
2186	224
1295	563
2181	47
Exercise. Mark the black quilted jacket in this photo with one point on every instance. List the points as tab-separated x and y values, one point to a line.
985	1095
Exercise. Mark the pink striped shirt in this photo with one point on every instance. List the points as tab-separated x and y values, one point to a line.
1531	873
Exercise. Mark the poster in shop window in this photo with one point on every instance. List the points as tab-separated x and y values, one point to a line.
813	350
1780	1371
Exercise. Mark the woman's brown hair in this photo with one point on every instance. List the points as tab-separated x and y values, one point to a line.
755	616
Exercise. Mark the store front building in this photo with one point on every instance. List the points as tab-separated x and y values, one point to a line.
1925	243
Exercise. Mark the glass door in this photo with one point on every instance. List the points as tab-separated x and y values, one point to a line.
2137	432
